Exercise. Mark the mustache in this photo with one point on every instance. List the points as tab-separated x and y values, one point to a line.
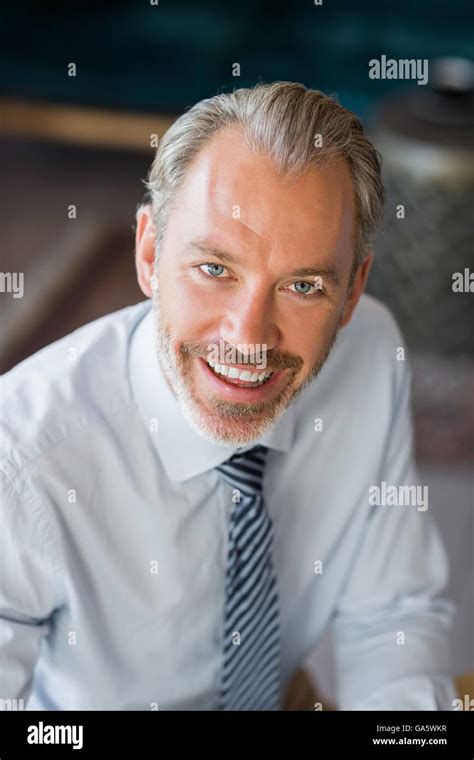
275	359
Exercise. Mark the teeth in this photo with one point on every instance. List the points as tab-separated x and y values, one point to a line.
236	374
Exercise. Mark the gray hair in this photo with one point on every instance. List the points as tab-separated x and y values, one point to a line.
281	120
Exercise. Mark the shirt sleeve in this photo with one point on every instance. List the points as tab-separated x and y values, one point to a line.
29	585
391	626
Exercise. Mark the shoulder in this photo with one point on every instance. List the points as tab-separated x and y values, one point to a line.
66	386
372	341
373	319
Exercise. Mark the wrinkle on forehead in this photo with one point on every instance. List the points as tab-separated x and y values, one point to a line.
231	188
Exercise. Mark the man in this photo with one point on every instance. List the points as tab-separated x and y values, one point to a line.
188	483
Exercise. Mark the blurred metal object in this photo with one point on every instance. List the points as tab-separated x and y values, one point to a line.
453	74
426	138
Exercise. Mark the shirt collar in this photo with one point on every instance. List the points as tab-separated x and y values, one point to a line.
184	452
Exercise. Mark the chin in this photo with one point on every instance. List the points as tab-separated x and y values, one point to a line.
224	431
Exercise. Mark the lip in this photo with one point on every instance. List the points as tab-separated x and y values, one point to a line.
235	392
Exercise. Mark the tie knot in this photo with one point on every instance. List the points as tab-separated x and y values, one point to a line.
245	471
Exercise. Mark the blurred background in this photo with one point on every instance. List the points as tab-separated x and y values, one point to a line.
83	89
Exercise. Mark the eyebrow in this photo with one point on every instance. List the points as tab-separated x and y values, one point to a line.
328	273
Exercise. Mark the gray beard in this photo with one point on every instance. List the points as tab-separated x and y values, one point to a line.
226	423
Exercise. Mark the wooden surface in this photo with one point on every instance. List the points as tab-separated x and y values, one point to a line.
81	125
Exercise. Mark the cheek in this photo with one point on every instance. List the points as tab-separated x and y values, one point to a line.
187	308
307	335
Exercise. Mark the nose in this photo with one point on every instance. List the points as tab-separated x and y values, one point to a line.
250	319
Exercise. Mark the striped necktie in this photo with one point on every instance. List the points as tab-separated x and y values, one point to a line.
251	667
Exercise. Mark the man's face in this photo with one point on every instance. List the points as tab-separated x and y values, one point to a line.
252	275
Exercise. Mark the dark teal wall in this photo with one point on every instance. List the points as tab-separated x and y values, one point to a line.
166	57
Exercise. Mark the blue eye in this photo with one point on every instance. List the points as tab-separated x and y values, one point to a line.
304	289
214	270
299	287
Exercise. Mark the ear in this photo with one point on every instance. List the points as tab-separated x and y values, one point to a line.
360	279
145	237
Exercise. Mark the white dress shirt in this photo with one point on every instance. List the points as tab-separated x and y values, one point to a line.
114	525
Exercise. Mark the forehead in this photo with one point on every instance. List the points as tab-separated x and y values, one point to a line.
230	189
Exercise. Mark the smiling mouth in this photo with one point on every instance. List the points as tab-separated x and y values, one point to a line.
243	378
